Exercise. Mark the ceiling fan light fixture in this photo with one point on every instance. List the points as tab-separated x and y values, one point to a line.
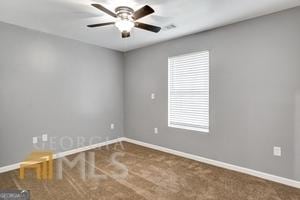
127	19
124	25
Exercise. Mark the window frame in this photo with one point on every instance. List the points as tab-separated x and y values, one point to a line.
201	130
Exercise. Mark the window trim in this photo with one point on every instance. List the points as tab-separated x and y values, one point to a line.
201	130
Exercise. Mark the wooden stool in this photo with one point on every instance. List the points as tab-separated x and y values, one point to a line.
30	164
42	161
46	157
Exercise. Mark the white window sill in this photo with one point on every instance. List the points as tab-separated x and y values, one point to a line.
204	131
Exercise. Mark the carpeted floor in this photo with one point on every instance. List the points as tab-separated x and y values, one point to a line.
151	175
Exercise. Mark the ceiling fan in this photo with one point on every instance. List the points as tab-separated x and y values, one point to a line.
126	19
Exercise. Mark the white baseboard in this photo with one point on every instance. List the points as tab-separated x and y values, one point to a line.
9	167
270	177
65	153
86	148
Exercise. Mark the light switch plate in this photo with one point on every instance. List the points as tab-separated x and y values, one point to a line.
34	140
44	137
277	151
156	130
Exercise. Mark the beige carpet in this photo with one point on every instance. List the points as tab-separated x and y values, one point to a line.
151	175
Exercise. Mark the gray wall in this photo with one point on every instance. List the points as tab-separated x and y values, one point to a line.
56	86
255	68
297	136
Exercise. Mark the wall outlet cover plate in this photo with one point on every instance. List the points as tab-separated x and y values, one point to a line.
44	137
112	126
277	151
34	140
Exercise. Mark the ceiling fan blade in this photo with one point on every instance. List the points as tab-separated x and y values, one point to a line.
125	34
104	10
102	24
142	12
147	27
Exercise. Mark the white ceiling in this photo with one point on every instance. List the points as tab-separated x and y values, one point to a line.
68	18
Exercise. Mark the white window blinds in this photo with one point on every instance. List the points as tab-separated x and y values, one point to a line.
188	83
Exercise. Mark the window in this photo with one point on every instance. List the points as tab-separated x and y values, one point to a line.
188	83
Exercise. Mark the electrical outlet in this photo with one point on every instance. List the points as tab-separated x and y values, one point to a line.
152	96
112	126
277	151
34	140
44	137
156	130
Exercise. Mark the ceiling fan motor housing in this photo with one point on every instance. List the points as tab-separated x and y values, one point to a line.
124	12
